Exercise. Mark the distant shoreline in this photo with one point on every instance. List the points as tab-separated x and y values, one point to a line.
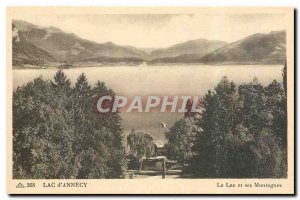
88	65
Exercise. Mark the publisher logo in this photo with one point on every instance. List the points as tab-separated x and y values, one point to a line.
20	185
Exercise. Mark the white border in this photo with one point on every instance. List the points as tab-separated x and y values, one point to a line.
5	3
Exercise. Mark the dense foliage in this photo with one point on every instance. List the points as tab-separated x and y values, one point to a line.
241	133
58	132
180	140
140	145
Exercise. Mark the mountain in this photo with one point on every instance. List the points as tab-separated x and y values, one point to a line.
38	45
200	47
258	48
69	47
27	53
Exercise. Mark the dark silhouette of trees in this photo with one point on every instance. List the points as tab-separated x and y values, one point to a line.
241	132
141	145
181	139
58	132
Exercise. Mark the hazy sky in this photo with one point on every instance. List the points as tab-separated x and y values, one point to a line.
161	30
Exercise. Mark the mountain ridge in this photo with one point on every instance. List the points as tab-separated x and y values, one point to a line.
68	46
38	45
264	48
199	46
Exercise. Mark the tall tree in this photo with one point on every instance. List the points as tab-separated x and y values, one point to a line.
141	145
239	132
58	132
180	139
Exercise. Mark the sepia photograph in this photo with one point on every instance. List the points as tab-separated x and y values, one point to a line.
182	96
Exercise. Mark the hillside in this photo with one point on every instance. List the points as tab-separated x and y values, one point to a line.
37	45
200	47
69	47
27	53
258	48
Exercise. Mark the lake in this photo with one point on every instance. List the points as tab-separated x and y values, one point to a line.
190	80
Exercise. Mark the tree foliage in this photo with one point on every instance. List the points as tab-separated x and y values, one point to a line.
58	132
141	144
241	133
180	140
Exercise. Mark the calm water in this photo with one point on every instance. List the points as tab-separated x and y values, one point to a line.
160	80
157	80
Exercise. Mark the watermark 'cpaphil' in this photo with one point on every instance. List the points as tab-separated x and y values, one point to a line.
163	104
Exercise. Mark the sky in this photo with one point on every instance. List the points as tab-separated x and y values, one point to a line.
160	30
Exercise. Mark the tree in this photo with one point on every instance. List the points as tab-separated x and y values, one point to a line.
57	134
240	131
41	149
141	145
180	140
254	114
219	119
112	123
284	77
276	107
